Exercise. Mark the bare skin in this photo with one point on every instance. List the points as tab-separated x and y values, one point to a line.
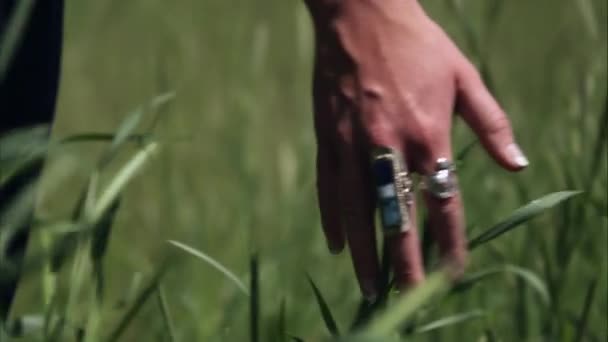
387	75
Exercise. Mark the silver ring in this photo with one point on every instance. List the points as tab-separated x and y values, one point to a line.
393	190
442	183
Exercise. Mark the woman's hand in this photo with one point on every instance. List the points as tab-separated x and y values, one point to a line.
387	75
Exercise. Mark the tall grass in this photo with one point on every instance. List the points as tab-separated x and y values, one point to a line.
226	169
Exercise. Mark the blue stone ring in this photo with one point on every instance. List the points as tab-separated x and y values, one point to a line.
393	189
442	183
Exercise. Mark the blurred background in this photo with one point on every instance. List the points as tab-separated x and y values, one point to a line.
235	171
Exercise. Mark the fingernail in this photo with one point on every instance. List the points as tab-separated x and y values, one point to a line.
517	156
368	286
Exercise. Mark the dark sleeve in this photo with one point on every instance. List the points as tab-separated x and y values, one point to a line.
28	94
29	89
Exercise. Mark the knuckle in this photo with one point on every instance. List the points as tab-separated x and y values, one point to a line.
470	72
428	134
411	104
379	133
497	124
424	138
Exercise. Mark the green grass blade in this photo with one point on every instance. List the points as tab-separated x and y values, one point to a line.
62	249
282	321
132	290
493	12
366	310
161	100
22	151
583	321
490	335
138	303
521	216
461	156
57	330
93	325
122	178
254	301
326	314
99	137
26	326
23	142
390	321
470	280
129	124
533	281
80	250
99	245
123	132
574	321
213	263
14	218
157	105
54	321
587	12
166	314
451	320
364	313
529	277
601	143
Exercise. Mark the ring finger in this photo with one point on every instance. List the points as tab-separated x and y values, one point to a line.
444	206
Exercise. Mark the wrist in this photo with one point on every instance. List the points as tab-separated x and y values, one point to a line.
326	12
357	30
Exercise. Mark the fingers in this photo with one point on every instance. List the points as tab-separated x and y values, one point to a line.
345	191
446	222
404	247
485	116
406	256
445	215
327	191
327	162
356	202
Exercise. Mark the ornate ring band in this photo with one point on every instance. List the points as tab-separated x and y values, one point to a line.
393	189
442	183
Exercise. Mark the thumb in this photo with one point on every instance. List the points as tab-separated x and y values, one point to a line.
484	115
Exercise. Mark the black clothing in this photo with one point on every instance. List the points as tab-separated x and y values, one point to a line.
28	94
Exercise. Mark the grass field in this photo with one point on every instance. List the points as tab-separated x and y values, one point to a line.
233	175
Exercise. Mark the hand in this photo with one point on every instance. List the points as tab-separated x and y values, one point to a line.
387	75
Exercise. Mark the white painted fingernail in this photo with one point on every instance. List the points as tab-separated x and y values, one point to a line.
517	155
